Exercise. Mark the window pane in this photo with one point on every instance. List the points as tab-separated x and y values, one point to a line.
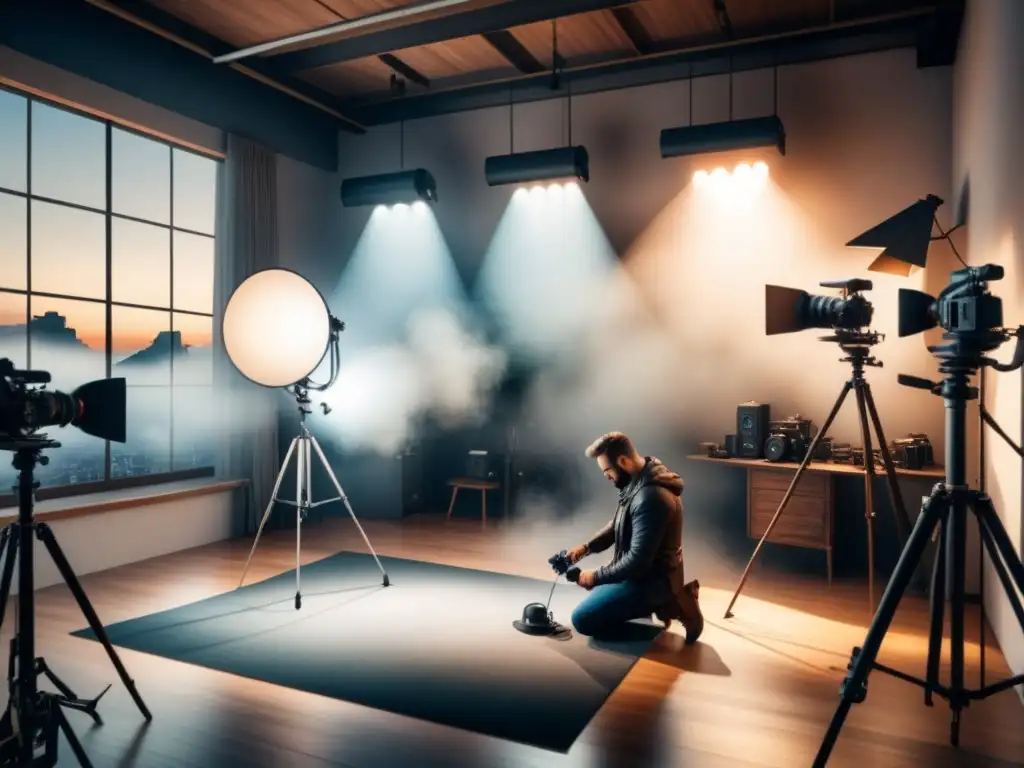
13	329
196	365
68	156
14	346
67	339
193	273
13	143
69	251
13	240
195	439
140	263
148	447
140	177
195	191
142	346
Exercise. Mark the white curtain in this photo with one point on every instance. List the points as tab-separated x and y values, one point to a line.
246	242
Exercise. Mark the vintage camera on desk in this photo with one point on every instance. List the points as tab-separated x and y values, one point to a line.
714	451
913	452
789	439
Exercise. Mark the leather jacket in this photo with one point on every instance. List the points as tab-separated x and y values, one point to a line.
646	530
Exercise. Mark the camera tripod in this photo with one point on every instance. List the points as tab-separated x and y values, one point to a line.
303	447
34	718
946	509
857	346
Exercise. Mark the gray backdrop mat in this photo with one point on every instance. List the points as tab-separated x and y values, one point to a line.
437	645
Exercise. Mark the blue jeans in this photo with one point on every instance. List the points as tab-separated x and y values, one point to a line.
609	606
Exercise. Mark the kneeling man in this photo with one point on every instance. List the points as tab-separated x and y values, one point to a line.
645	575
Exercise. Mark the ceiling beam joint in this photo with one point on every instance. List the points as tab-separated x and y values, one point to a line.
402	69
514	52
634	30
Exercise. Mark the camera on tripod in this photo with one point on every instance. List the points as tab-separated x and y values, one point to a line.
788	439
564	567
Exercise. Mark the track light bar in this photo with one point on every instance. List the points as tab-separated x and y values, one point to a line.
721	137
389	188
543	165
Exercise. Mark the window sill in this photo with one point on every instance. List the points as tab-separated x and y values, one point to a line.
127	498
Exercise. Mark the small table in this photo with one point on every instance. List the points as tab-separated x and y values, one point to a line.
474	485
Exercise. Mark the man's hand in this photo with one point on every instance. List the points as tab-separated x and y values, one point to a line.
587	579
577	553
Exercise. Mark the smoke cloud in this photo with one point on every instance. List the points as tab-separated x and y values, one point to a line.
440	369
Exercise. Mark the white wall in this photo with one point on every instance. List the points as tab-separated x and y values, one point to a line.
867	136
988	168
106	540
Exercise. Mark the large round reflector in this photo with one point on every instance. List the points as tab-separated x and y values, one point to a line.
276	328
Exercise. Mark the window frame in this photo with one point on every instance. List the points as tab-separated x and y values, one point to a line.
108	483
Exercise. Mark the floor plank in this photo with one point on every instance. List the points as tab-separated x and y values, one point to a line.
757	691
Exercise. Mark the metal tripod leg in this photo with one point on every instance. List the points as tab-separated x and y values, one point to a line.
899	507
303	485
987	515
344	500
854	688
46	536
9	547
938	605
789	492
270	506
869	486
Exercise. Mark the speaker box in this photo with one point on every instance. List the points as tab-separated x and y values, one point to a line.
732	446
752	429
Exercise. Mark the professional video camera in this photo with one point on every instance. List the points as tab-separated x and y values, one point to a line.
563	567
972	320
970	315
788	310
34	718
97	408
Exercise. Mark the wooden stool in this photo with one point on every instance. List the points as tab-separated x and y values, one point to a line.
474	485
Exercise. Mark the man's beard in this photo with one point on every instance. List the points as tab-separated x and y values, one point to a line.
622	478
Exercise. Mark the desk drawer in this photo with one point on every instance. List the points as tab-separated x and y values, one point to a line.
804	522
811	484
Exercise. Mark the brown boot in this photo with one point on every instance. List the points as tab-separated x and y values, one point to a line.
689	612
685	608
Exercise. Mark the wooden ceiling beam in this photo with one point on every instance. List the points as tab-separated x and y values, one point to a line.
634	30
399	67
515	53
371	40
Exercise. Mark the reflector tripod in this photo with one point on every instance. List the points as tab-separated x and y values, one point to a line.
946	509
34	718
303	447
857	346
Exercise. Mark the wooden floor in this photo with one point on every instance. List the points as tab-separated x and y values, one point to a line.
758	690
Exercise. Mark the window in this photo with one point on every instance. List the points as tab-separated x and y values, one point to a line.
106	270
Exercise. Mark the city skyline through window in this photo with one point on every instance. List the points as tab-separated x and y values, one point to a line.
106	270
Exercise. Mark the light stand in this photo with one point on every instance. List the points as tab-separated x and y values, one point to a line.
34	718
857	346
303	447
947	509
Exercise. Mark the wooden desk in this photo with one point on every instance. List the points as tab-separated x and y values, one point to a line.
809	519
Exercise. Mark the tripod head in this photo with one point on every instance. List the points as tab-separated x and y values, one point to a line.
857	345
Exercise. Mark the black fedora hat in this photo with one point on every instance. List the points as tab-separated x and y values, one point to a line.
536	621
